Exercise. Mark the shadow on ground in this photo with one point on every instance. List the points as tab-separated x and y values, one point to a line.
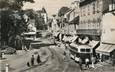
35	66
37	46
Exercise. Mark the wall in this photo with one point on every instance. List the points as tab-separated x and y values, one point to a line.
108	28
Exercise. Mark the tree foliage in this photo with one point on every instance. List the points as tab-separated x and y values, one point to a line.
40	23
12	21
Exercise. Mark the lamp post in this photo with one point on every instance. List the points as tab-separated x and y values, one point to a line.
7	68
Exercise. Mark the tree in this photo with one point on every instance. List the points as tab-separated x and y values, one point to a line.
12	21
13	4
30	13
40	23
62	11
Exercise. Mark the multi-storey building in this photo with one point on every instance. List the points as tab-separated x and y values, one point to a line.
72	17
91	12
43	14
106	50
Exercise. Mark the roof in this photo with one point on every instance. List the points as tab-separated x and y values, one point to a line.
93	43
81	46
42	11
69	11
85	46
75	21
85	2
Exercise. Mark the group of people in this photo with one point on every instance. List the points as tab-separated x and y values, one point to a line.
32	61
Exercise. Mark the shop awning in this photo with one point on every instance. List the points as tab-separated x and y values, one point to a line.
84	41
105	49
93	43
75	20
66	39
70	39
56	34
73	38
74	45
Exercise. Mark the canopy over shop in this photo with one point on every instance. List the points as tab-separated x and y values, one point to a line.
70	39
105	49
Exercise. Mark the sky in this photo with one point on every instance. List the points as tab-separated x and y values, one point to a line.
51	6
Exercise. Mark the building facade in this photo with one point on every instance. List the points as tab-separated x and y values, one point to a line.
106	50
42	18
72	18
43	13
90	13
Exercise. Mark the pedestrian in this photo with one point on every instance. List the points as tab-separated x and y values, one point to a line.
80	63
64	53
3	55
87	63
113	60
28	64
0	55
77	59
38	59
93	61
32	60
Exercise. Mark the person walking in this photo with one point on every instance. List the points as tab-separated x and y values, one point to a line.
87	63
80	63
93	61
28	64
38	59
32	60
113	60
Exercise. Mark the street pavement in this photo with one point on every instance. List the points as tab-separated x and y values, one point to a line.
19	61
53	60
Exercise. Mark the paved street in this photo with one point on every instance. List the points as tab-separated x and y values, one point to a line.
53	61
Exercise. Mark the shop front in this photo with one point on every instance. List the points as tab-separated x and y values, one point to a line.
69	39
105	51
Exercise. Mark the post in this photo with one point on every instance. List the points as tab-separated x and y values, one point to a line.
3	56
7	67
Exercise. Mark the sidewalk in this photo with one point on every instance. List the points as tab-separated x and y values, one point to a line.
18	61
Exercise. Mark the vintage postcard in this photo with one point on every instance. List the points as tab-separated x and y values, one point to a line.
57	35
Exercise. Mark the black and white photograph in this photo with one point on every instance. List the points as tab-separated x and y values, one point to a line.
57	35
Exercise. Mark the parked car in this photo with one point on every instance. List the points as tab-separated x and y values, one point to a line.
8	50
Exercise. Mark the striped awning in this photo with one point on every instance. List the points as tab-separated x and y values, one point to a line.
105	49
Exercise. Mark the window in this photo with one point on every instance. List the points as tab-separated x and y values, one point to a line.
82	50
88	10
87	50
113	4
93	8
98	9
